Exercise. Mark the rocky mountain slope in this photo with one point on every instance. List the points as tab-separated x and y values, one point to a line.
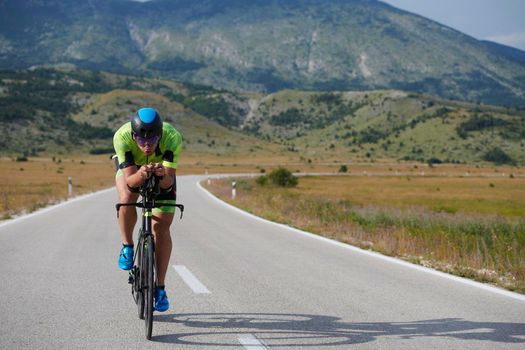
263	45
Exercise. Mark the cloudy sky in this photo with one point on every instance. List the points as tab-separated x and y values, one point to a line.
502	21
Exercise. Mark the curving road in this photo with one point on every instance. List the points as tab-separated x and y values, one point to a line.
237	283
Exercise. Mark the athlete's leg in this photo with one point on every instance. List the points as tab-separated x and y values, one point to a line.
161	230
127	215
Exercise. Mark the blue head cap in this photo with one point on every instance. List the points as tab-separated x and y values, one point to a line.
147	115
146	123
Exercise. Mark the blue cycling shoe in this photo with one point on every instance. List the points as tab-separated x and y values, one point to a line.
161	300
125	260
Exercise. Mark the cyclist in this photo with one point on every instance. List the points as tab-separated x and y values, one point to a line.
146	146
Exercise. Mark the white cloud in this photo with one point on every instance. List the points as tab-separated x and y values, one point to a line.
516	39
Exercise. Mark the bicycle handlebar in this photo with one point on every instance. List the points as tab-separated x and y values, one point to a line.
150	189
150	205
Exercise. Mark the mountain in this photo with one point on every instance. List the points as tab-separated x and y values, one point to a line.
51	111
510	53
263	45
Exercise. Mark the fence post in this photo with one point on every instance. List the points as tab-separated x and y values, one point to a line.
70	186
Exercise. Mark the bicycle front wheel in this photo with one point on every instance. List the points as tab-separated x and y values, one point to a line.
139	280
149	286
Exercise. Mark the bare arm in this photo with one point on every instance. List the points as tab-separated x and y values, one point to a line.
166	174
136	177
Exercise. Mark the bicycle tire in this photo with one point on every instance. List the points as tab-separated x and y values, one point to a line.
140	279
149	287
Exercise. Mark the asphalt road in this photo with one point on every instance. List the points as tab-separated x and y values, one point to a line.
237	283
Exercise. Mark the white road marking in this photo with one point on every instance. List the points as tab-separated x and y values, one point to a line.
462	280
249	342
191	280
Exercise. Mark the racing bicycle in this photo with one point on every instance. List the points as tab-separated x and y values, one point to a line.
142	275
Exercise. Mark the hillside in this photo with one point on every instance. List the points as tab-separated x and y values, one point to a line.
75	111
71	110
263	46
389	124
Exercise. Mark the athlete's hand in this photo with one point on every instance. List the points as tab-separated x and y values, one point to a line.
159	170
145	171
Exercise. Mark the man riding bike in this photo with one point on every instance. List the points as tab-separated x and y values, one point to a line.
146	146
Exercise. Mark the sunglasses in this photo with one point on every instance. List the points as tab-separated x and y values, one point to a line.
142	141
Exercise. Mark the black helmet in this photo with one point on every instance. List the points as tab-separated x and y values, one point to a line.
146	123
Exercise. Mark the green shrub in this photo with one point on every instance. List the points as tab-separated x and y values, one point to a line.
498	156
343	169
479	123
283	177
434	160
262	180
292	116
102	150
215	108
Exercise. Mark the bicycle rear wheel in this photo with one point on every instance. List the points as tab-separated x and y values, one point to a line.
149	286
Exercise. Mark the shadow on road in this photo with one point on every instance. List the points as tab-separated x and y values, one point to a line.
221	329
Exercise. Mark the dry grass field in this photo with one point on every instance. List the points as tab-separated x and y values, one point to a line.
473	194
28	185
469	222
40	181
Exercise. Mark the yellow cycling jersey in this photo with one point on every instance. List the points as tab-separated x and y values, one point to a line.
129	154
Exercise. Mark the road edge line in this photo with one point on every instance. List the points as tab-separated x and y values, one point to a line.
397	261
53	207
